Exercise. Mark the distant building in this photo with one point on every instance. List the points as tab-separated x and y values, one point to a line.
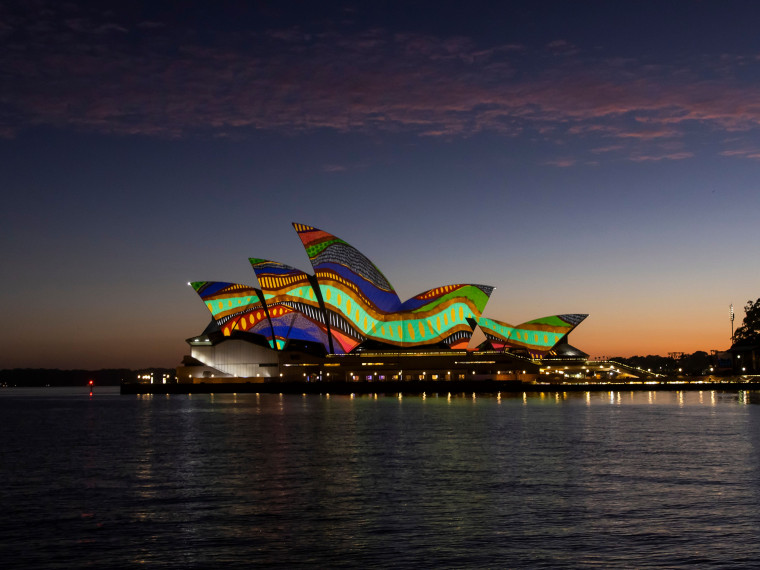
155	376
347	322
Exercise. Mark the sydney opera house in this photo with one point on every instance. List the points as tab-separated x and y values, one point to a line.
346	322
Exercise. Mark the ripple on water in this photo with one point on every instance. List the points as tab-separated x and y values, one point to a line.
293	481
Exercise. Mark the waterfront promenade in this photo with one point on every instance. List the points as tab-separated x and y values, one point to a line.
436	387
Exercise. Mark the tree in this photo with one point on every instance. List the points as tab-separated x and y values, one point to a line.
750	329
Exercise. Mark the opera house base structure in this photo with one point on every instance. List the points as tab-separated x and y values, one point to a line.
241	357
345	323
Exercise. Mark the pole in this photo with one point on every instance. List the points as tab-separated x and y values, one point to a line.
731	309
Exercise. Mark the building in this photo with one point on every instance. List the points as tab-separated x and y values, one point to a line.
155	376
347	322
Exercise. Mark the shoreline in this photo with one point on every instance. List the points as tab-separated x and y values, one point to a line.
427	387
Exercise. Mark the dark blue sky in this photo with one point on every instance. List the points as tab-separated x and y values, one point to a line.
595	157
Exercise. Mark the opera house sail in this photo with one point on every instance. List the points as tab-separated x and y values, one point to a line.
348	307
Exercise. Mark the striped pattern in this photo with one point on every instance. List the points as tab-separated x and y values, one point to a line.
349	300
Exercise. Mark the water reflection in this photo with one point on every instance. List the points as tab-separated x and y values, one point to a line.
566	479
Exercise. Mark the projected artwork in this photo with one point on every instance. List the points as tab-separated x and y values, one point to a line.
291	302
349	300
364	305
443	314
235	307
538	336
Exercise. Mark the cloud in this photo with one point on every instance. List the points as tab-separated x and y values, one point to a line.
608	148
104	73
658	157
562	162
752	153
334	168
650	134
562	47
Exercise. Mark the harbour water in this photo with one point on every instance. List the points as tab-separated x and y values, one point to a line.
581	480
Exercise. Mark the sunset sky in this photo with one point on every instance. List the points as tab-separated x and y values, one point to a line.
581	157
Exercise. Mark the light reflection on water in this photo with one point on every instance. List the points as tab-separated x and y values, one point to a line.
610	479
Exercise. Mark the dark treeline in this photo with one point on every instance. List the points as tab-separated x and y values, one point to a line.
54	377
694	364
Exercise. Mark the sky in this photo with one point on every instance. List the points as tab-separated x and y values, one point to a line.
581	157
